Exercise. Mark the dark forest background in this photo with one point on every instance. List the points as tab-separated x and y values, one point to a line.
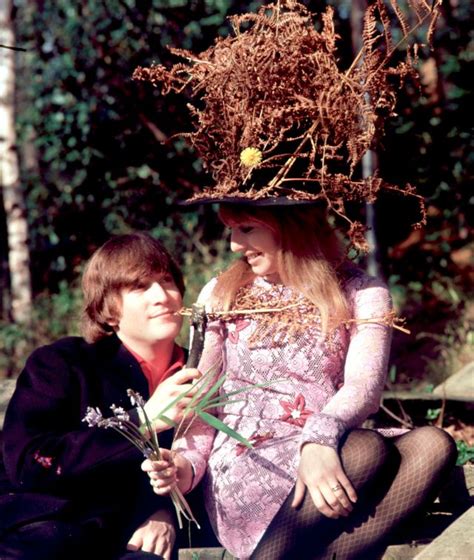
93	163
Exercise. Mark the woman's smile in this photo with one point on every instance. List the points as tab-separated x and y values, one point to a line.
258	245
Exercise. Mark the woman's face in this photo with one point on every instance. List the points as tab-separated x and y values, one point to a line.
258	245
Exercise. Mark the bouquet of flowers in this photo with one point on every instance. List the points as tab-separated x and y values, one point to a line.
144	437
145	440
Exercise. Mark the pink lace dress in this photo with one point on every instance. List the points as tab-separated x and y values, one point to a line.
319	389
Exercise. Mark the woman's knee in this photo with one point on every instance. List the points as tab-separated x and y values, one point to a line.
364	451
433	444
368	440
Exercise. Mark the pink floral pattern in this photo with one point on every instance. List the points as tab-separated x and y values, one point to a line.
315	390
296	412
234	329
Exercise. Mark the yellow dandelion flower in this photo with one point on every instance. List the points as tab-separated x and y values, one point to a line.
250	157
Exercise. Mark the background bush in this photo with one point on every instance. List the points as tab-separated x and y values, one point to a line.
93	164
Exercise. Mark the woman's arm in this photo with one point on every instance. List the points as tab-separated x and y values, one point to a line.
365	368
320	469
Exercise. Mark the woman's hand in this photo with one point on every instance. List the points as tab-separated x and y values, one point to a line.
178	384
171	471
321	472
157	534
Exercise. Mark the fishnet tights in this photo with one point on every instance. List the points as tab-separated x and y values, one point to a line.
393	479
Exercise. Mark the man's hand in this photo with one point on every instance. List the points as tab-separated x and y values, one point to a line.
320	471
178	384
156	535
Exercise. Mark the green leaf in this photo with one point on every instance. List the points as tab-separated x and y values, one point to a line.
220	403
432	413
219	425
465	453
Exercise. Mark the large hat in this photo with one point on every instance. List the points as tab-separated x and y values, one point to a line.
278	120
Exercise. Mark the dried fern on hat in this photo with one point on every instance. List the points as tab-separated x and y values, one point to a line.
275	114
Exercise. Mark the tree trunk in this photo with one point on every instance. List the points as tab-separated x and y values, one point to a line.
13	198
369	160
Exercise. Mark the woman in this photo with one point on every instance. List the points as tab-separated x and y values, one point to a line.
293	317
281	122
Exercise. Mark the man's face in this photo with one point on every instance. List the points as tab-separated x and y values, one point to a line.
149	316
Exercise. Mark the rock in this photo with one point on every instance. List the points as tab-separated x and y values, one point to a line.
459	386
204	554
456	542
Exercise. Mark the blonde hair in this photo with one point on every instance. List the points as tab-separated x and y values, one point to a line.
309	254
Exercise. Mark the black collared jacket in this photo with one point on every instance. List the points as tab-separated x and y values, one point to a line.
54	464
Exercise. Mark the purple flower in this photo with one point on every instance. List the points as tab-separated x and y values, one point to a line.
120	413
135	398
93	417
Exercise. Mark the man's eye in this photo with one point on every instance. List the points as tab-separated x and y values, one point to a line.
136	290
167	279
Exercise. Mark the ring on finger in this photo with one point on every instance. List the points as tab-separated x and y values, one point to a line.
336	488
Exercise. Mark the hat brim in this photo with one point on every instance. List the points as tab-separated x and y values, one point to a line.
245	201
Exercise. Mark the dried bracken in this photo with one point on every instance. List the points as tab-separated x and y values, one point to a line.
276	87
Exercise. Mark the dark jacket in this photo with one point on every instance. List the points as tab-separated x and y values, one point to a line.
54	464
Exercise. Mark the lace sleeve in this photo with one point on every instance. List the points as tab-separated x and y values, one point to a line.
365	366
196	442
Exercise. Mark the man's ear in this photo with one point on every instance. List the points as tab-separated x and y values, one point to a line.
113	312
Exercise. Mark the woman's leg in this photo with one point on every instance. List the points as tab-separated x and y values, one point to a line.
425	456
392	480
363	454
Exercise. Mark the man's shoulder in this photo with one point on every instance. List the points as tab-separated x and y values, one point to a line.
66	345
75	347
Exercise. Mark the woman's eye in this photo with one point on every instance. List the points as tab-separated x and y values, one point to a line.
245	229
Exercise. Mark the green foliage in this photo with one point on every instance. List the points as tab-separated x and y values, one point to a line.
54	315
430	145
432	413
100	167
465	453
93	162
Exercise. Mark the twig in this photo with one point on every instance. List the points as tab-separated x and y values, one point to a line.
21	49
395	417
389	320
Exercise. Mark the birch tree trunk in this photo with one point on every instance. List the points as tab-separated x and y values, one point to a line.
13	198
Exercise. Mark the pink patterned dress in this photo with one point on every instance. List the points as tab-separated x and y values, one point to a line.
323	388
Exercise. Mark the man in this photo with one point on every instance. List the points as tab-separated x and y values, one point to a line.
71	490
